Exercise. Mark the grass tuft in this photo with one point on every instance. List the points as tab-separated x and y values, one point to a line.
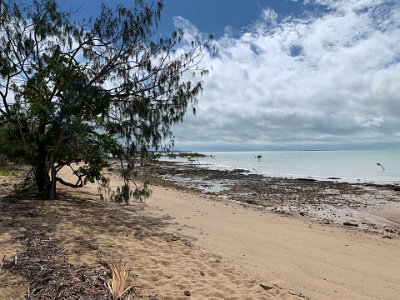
8	173
119	281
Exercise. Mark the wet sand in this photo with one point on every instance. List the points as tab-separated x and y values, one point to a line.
372	208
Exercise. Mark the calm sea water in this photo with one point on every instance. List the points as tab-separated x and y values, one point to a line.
348	166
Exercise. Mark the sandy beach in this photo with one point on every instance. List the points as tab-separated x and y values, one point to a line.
317	261
369	207
182	244
195	150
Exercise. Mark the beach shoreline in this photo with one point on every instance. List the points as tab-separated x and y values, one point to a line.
368	166
182	243
310	259
369	207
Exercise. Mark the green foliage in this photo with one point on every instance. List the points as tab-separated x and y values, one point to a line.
28	185
10	147
185	154
74	94
3	162
8	173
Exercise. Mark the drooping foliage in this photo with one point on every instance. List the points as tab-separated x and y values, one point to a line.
80	93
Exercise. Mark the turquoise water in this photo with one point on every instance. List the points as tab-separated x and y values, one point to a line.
348	166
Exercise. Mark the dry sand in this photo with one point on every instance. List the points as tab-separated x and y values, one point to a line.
165	265
320	262
179	242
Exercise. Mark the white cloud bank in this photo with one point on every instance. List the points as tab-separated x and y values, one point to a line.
332	79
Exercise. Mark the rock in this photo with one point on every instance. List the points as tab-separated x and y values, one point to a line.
202	273
350	223
240	171
175	238
389	229
307	179
266	286
186	293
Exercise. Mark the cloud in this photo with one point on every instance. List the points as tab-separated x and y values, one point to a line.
331	79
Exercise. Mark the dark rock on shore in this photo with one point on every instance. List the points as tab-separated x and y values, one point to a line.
350	223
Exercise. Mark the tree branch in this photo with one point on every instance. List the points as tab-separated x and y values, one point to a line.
78	184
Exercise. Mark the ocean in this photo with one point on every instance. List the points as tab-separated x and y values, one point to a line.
343	166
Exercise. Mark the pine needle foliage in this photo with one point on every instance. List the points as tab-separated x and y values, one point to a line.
83	92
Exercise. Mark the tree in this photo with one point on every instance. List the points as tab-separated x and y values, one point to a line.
73	93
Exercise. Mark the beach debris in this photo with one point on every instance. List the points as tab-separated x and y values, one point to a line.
389	229
187	293
2	263
43	263
298	294
218	260
175	238
350	223
266	286
202	273
379	164
119	279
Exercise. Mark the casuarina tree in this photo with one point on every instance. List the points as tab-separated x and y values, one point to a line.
77	93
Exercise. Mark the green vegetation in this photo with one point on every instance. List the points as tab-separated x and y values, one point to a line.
8	221
8	173
5	168
74	93
185	154
3	161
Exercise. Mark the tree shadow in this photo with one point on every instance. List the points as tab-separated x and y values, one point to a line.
79	222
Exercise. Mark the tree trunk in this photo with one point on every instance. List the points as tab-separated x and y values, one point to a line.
41	171
53	191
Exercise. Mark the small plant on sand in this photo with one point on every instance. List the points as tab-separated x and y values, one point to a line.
119	284
8	221
27	185
6	167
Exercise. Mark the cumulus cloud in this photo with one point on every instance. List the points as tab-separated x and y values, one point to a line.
331	79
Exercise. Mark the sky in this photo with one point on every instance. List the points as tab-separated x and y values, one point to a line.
290	75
